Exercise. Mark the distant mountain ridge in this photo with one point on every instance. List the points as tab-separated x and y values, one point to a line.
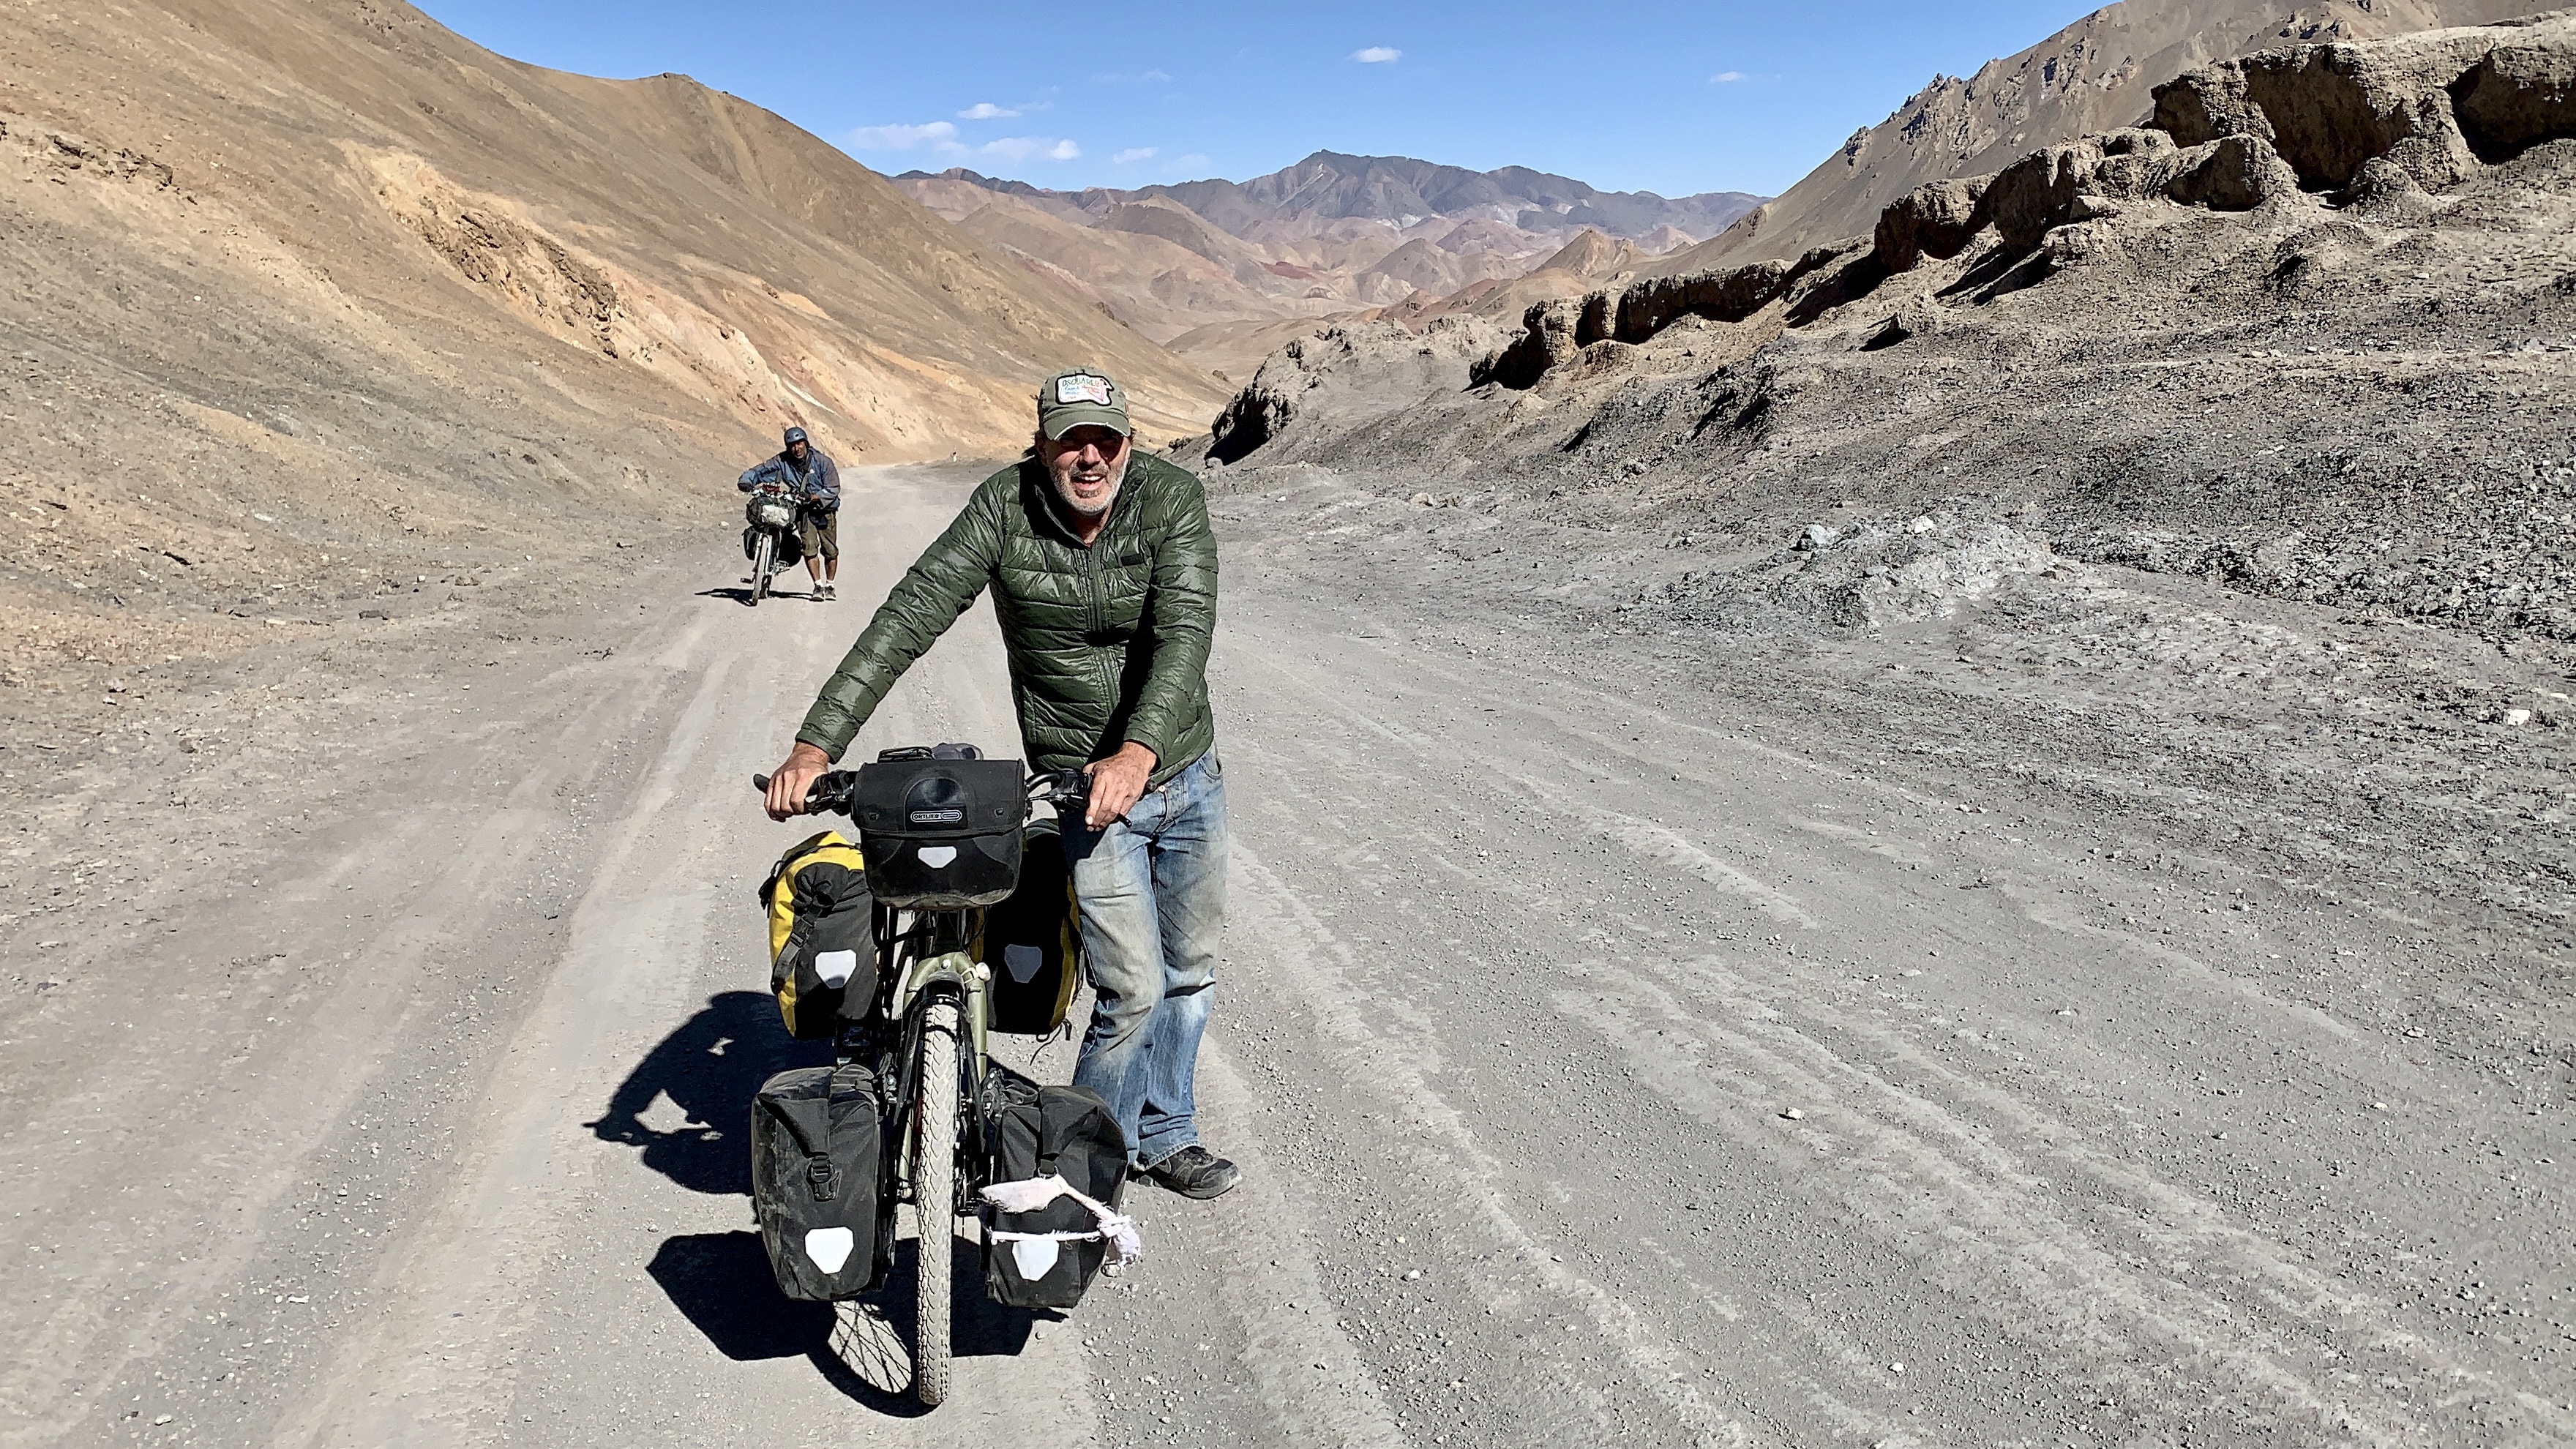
1327	187
1212	268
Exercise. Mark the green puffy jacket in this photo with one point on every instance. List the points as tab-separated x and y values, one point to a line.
1107	644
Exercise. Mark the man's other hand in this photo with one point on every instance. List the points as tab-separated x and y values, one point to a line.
789	782
1117	783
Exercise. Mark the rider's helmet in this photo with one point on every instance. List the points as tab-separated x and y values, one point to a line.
794	436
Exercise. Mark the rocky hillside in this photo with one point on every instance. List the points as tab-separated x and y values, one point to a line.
313	301
2093	76
2307	336
1331	236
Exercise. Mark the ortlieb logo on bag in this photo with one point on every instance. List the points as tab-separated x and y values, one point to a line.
822	943
1031	940
1059	1165
941	834
815	1154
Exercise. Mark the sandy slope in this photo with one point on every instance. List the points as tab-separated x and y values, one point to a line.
306	304
1544	926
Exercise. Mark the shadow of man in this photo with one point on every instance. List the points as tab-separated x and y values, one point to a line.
710	1068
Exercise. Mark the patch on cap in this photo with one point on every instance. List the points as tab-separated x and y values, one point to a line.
1080	387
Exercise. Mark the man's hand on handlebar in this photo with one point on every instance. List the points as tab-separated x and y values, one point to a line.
794	776
1117	783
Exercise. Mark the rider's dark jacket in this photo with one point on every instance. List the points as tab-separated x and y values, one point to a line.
817	484
1107	644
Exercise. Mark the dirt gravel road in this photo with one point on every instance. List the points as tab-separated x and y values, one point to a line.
1616	1053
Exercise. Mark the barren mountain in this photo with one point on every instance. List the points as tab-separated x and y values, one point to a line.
314	301
2094	75
1332	235
1304	200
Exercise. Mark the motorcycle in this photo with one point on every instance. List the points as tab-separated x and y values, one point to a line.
770	542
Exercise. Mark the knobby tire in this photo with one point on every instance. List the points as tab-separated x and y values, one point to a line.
934	1200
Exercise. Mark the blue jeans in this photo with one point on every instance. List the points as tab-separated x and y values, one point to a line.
1152	893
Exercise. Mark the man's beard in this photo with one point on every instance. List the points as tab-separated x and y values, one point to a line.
1064	491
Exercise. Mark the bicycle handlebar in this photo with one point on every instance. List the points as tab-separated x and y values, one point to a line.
835	791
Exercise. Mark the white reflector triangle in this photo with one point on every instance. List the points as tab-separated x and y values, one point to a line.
1034	1256
937	856
830	1247
834	967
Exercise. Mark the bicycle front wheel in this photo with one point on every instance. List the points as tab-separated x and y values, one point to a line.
934	1199
762	557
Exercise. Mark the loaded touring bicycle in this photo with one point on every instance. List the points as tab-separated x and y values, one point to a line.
952	918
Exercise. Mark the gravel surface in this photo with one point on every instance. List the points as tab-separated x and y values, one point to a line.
2020	1024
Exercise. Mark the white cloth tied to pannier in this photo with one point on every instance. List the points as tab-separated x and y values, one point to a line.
1035	1253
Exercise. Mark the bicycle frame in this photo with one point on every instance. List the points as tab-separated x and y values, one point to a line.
930	958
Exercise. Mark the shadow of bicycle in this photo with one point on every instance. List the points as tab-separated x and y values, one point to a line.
741	593
721	1283
709	1068
704	1075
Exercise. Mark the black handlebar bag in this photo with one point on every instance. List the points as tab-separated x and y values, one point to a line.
941	835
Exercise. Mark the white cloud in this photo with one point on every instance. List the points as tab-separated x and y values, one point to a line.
902	138
1153	75
1135	153
1377	55
1021	148
984	111
1726	77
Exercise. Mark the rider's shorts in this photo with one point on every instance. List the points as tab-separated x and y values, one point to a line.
821	535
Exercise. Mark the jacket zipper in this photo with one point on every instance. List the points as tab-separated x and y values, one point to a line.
1099	618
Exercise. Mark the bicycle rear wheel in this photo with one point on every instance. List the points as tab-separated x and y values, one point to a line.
934	1200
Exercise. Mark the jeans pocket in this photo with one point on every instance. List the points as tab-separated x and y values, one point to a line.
1215	766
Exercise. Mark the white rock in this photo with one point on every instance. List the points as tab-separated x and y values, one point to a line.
1921	525
2517	717
1793	1114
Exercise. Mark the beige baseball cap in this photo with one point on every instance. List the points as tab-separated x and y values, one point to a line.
1084	396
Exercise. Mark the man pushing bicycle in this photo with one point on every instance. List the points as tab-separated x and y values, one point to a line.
1103	571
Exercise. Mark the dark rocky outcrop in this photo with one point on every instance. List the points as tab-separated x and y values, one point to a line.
2520	95
2435	105
1937	219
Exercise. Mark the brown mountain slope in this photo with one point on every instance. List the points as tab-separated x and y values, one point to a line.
1160	287
2090	77
324	281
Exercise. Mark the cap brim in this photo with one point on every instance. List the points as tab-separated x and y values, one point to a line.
1059	421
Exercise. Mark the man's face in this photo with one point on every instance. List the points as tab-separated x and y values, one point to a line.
1087	465
796	453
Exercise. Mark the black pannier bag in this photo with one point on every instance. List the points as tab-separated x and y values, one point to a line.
822	937
1041	1132
1030	940
815	1157
941	835
791	548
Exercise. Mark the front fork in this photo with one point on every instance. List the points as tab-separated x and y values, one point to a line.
973	980
970	981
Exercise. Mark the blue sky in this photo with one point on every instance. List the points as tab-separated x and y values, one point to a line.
1627	96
